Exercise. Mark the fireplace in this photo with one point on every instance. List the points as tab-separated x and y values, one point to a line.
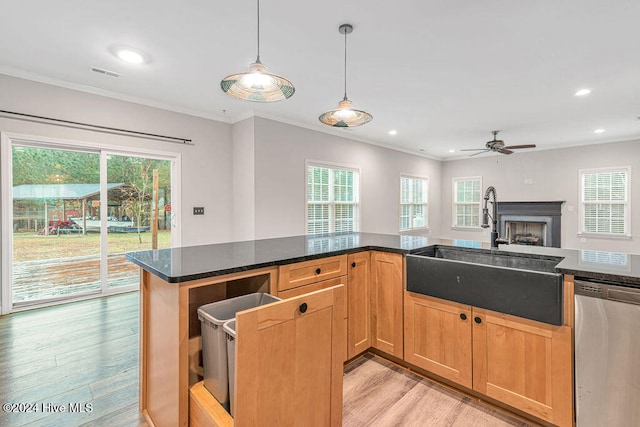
530	223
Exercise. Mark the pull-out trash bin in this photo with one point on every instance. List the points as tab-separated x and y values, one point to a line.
214	347
230	332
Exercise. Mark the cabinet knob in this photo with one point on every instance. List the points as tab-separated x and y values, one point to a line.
303	307
353	264
318	271
463	316
477	320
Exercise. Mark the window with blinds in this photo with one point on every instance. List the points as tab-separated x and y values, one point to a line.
413	203
332	199
604	201
466	201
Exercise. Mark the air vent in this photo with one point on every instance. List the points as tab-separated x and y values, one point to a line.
591	289
105	72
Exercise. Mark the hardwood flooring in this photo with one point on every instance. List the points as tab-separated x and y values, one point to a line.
379	393
72	354
87	353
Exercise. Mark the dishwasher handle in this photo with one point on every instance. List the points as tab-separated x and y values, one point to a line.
606	291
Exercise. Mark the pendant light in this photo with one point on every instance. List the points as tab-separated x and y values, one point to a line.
256	84
345	116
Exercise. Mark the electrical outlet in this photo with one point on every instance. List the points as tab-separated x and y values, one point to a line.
528	181
570	208
583	240
198	211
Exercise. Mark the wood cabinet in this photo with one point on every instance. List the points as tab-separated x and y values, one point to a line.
386	302
288	366
522	363
359	303
437	337
306	272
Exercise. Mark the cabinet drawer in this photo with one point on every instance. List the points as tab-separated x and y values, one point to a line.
303	273
316	287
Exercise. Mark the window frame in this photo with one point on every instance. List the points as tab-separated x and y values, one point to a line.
332	167
413	204
454	203
582	204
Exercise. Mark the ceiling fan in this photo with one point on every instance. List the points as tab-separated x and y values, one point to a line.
497	145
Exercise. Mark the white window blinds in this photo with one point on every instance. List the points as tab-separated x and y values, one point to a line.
413	203
332	199
605	201
466	202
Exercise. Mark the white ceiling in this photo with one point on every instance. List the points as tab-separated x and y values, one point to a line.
442	73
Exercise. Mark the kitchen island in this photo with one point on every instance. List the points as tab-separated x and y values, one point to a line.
174	282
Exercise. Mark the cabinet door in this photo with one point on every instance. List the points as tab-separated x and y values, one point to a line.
359	303
437	337
525	364
288	364
386	302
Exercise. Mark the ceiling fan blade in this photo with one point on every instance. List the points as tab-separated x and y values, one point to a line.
505	151
475	154
473	149
515	147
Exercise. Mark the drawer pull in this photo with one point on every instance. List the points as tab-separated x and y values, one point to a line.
477	320
303	307
463	316
353	264
318	271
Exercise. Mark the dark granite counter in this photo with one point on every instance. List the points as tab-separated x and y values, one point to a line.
176	265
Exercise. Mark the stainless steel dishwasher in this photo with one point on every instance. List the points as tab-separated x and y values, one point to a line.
607	355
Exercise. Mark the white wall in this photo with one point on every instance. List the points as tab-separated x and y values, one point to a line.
206	167
281	151
555	177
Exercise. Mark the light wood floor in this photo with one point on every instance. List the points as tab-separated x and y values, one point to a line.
87	352
76	353
379	393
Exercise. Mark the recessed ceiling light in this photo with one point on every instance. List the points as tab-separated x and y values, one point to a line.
599	130
452	151
393	132
127	54
583	92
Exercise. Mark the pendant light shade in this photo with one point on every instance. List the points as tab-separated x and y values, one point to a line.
345	116
256	84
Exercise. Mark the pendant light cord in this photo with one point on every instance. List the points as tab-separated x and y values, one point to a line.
258	59
345	65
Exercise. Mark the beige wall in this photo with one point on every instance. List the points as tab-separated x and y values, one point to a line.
554	177
250	176
206	166
281	151
243	181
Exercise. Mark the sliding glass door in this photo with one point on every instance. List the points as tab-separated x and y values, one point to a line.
53	256
74	213
139	213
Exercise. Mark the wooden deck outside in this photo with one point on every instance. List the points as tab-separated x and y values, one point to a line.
51	278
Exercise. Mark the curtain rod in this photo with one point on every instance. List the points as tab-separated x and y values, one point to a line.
99	128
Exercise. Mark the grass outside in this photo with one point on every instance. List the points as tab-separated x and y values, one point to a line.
30	246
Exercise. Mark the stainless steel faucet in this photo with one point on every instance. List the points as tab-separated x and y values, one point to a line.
494	217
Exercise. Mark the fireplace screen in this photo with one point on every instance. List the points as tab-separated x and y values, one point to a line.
526	233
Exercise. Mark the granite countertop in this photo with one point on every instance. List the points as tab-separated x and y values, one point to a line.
175	265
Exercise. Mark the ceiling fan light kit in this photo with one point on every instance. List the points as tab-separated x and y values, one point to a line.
257	85
345	116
